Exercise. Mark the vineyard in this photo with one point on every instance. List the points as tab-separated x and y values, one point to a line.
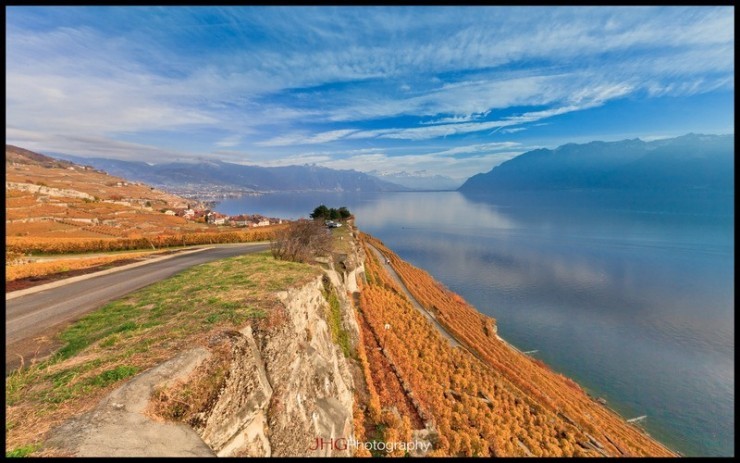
35	245
48	198
486	399
39	269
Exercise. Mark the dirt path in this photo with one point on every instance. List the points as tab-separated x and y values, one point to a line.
118	427
390	380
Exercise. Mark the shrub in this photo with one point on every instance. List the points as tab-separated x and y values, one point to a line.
301	241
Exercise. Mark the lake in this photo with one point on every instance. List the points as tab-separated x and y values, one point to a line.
631	297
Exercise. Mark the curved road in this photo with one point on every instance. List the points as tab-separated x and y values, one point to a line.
33	314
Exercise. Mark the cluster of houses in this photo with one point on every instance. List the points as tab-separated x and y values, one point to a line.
217	218
243	220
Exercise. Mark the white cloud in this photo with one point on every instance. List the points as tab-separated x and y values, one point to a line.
585	98
303	139
479	148
91	146
456	119
230	141
513	130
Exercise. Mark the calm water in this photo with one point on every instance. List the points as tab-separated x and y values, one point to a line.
632	298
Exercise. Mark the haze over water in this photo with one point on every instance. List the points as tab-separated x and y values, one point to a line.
633	298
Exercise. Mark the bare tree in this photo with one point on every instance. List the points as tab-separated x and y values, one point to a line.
301	241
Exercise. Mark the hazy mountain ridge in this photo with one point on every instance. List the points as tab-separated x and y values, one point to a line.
687	162
256	178
418	180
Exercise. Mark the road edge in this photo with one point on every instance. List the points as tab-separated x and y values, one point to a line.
56	284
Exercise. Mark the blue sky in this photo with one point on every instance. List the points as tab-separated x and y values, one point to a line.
442	90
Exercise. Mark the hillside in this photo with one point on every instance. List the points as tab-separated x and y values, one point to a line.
46	197
690	162
60	206
223	176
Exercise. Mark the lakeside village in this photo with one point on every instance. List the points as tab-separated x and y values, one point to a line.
216	218
203	215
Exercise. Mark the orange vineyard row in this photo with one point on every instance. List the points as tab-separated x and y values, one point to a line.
74	245
38	269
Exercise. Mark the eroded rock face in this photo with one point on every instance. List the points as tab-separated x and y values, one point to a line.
313	385
289	385
236	422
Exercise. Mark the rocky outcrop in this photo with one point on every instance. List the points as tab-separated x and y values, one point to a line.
313	384
289	383
236	422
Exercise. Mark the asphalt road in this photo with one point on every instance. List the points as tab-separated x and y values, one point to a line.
33	314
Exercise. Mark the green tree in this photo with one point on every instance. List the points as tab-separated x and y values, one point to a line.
344	213
321	212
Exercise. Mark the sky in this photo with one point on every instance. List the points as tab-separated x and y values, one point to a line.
430	90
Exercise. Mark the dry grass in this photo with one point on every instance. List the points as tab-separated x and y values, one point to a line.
342	238
139	331
184	400
37	269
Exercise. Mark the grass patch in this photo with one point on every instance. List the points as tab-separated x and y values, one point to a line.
21	452
342	239
111	376
141	330
339	335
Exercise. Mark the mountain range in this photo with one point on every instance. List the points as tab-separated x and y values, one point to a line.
686	163
689	162
419	180
224	175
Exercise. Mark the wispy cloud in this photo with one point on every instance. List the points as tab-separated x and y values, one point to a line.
300	139
267	81
92	146
513	130
230	141
480	148
456	119
581	99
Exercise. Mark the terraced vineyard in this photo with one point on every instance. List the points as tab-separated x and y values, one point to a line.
485	398
58	207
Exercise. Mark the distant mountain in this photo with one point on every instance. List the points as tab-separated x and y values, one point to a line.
683	163
420	180
255	178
